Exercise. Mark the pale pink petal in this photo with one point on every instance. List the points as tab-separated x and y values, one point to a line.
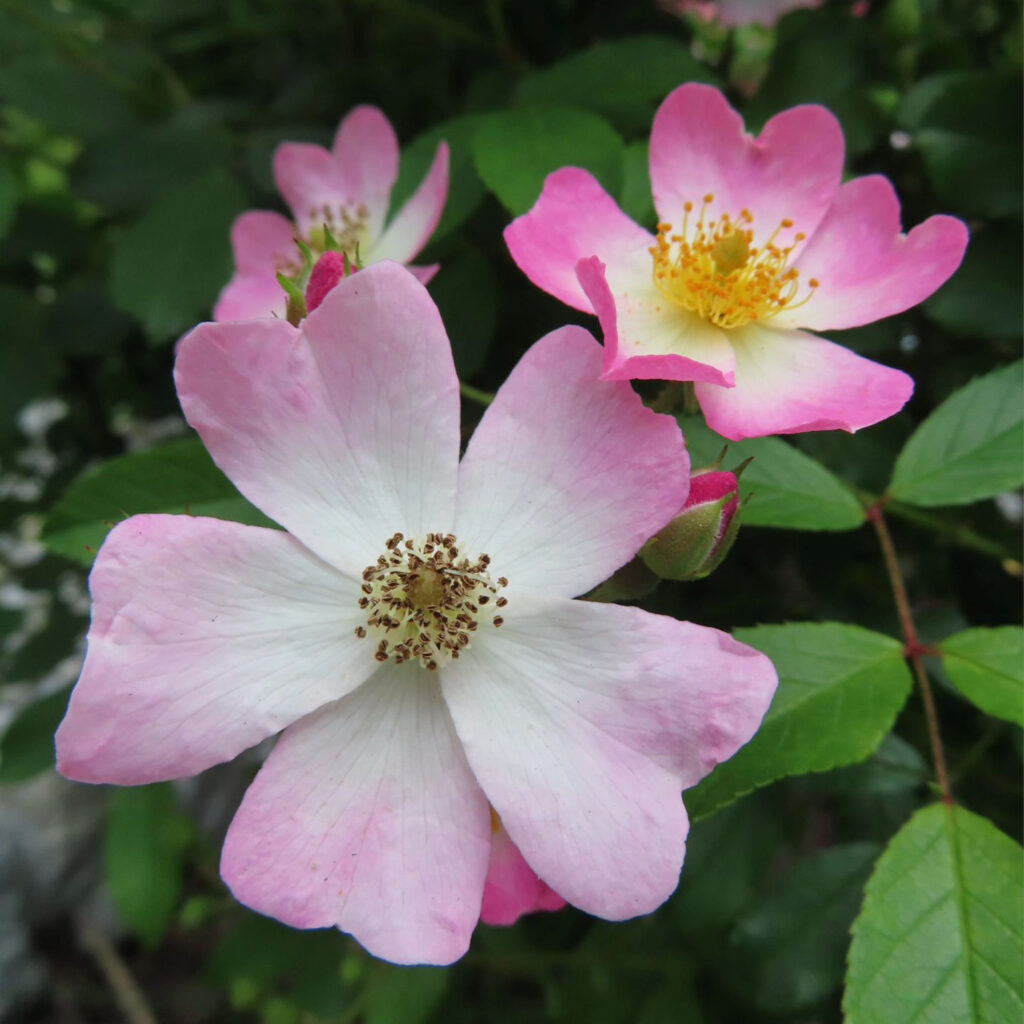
366	816
647	337
424	274
360	170
584	721
366	154
263	243
415	222
512	887
206	637
788	382
567	475
344	432
575	218
866	267
791	171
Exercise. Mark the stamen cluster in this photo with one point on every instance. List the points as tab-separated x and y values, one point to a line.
713	268
336	227
425	599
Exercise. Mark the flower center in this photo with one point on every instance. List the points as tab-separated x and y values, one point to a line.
425	599
713	268
346	224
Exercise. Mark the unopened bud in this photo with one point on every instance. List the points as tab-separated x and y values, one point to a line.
699	538
329	270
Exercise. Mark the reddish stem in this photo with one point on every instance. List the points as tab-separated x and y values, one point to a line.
913	649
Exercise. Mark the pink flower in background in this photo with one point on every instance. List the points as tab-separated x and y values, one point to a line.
346	189
738	12
758	242
414	633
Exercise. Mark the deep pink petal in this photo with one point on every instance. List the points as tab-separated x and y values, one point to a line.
206	637
344	432
513	888
263	243
584	721
567	475
866	267
575	218
699	147
788	382
366	816
415	222
646	337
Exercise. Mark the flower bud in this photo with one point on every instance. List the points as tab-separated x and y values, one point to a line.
699	538
329	270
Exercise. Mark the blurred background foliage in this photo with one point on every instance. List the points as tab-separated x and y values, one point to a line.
132	132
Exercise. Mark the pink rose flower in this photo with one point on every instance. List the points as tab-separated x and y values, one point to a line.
346	189
413	633
759	243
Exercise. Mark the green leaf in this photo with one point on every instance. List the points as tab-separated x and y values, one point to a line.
67	99
167	269
983	296
727	858
145	843
466	293
788	488
971	447
623	80
9	193
823	58
27	746
406	994
959	122
132	170
465	189
939	935
790	949
840	689
637	200
987	667
515	150
28	369
179	477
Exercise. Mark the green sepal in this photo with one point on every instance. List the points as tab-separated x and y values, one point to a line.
686	549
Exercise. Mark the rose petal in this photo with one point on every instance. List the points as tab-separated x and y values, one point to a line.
206	637
415	222
575	218
583	721
360	170
699	147
343	433
567	475
366	816
789	382
512	888
866	267
263	242
646	337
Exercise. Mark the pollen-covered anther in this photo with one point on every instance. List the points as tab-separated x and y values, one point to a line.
713	268
425	599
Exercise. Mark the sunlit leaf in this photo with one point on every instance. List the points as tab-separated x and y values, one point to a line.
939	936
971	447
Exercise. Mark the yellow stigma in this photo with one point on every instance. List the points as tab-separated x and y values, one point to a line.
713	269
424	600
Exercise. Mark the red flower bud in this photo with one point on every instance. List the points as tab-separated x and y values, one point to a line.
699	538
329	270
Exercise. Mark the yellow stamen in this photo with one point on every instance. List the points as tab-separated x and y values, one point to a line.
714	269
